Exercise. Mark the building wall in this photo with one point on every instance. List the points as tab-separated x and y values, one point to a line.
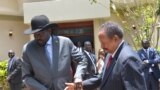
16	42
67	10
11	7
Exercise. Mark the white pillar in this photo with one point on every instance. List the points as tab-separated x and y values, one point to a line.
97	23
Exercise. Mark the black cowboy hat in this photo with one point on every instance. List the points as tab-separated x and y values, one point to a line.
39	23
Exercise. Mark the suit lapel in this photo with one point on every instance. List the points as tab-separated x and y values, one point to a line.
110	69
107	72
149	53
94	62
12	63
90	60
55	59
105	64
86	55
43	57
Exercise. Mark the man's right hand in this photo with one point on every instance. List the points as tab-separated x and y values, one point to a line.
70	86
146	61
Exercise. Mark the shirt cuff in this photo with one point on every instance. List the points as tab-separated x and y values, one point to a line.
77	80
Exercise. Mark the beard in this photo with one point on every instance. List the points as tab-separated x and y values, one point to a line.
41	43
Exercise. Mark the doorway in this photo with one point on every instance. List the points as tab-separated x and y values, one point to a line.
77	31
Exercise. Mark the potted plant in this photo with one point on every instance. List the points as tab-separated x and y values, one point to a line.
3	75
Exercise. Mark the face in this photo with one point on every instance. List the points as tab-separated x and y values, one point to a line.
108	44
11	54
145	44
78	44
42	36
88	47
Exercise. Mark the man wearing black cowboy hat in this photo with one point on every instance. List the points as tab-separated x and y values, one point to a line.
47	59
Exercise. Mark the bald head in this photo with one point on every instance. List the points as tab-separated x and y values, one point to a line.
11	53
145	43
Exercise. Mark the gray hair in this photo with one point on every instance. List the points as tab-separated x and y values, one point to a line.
112	29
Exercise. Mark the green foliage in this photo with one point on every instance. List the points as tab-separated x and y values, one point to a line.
3	74
143	18
158	9
140	21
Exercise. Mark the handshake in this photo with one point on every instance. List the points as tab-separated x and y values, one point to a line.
74	86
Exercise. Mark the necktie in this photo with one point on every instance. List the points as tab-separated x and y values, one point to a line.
48	55
147	53
109	62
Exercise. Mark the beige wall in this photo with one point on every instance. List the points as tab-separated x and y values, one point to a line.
67	10
18	39
11	7
97	23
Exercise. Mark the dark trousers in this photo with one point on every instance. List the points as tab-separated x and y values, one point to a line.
15	86
152	82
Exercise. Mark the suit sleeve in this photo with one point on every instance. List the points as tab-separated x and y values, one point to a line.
28	75
156	57
92	83
132	76
80	58
17	69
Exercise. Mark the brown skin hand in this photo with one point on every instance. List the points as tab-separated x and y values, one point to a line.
70	86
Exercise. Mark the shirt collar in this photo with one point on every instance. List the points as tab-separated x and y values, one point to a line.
12	58
49	42
117	48
145	49
86	51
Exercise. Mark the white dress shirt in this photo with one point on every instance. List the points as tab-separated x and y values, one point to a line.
117	49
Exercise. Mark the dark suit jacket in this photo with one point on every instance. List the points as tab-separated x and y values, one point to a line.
124	73
91	67
154	60
37	72
14	72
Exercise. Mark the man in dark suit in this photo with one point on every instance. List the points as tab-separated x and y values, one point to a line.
151	60
47	59
14	72
91	67
122	70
